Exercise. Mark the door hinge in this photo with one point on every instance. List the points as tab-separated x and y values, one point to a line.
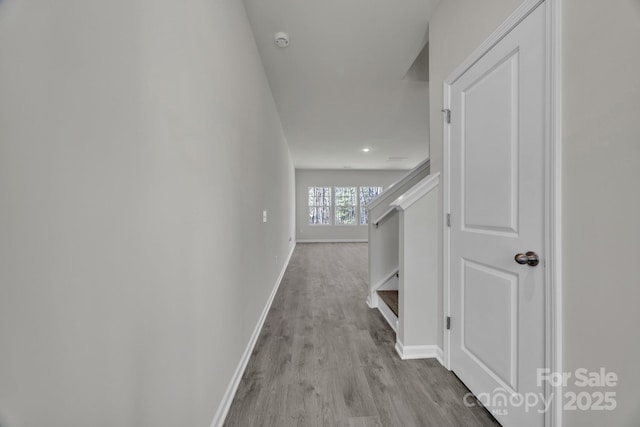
448	220
448	322
447	115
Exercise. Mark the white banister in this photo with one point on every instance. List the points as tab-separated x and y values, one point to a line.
417	192
383	216
415	172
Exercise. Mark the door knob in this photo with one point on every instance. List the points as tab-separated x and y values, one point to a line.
530	258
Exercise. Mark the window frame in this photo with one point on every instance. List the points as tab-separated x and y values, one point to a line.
360	206
335	207
329	206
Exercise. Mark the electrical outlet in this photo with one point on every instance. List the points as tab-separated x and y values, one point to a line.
264	216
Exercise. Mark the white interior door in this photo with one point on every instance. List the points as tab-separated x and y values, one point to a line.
497	140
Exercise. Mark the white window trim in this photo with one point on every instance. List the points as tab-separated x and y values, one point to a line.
336	210
365	205
330	206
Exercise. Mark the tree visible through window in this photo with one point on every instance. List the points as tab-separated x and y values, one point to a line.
366	195
346	205
320	205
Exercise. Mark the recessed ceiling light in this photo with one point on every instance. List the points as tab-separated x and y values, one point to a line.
366	149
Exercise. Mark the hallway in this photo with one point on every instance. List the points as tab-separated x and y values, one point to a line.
325	358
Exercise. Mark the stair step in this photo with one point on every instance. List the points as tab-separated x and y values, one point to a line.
391	299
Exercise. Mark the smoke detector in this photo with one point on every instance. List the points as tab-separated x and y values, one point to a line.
282	39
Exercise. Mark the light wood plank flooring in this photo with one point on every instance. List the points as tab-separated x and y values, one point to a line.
325	359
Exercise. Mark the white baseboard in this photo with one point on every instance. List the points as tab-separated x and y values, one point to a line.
407	352
332	240
372	300
229	394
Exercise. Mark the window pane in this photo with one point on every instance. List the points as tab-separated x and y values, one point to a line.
346	196
324	196
319	215
345	215
367	194
319	205
346	205
364	216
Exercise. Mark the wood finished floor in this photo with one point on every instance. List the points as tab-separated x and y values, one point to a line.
325	359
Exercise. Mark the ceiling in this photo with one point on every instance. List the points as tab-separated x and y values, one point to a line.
346	80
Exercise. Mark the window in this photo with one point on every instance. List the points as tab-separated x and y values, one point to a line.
366	195
319	205
346	205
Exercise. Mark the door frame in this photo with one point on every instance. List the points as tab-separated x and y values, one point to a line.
552	189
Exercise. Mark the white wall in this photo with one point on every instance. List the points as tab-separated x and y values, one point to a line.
456	29
306	178
139	144
601	202
601	199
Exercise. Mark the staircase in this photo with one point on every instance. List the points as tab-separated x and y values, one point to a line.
403	262
390	298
